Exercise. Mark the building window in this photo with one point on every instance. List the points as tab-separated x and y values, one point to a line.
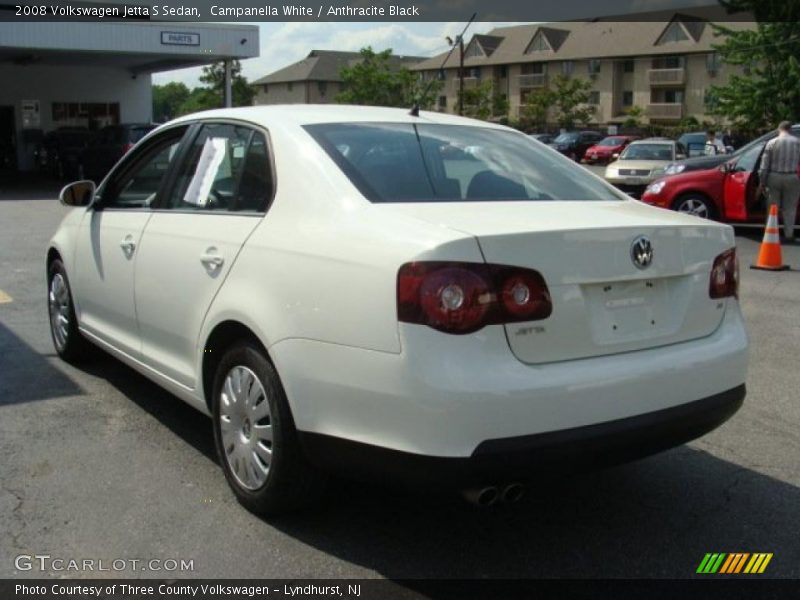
674	33
441	75
538	44
669	62
594	66
594	97
673	96
474	72
501	72
567	67
628	66
289	86
712	63
627	98
265	88
93	115
537	68
474	50
322	86
442	102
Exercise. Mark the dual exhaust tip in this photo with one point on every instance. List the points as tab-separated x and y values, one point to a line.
490	495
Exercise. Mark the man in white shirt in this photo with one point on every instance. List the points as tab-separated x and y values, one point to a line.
780	174
713	145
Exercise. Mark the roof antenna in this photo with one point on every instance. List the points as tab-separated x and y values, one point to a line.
414	112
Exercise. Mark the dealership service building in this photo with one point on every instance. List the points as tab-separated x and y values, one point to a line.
88	74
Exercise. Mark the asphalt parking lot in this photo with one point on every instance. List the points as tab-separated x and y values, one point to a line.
100	463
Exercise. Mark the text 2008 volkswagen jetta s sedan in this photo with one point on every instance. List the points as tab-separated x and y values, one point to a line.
414	298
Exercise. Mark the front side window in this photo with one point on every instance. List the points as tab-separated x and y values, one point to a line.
452	163
136	182
226	168
749	159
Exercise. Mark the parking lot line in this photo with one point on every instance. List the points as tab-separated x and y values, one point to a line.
5	298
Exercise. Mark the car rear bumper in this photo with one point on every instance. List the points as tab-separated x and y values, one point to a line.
529	457
447	396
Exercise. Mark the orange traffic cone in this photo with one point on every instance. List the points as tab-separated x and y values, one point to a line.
770	257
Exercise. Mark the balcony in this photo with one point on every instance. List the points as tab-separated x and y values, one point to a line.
665	110
534	80
666	77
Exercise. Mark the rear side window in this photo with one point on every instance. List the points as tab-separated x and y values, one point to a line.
226	168
452	163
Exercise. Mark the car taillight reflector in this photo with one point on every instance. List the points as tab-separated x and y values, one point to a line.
724	280
460	297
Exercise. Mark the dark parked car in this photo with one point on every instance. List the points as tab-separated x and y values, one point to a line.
59	151
700	163
575	143
545	138
108	146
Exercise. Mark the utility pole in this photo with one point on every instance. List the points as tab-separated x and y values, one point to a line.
227	86
461	75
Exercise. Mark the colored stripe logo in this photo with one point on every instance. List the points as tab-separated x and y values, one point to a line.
734	563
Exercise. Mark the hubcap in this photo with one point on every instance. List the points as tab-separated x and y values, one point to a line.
58	303
694	207
245	423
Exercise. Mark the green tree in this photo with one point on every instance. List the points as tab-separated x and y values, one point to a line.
200	98
377	80
633	117
214	78
167	100
571	96
534	112
484	101
768	90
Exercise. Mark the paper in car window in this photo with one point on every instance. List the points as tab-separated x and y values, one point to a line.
238	151
210	160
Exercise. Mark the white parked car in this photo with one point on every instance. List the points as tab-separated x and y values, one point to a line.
338	288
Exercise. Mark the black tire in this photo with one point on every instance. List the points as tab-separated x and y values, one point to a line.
695	204
291	481
67	340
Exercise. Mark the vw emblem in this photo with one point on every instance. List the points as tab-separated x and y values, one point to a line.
642	252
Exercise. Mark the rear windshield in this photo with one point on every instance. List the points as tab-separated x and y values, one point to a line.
612	141
647	152
440	163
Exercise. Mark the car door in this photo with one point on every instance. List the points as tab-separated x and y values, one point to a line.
740	185
109	241
222	188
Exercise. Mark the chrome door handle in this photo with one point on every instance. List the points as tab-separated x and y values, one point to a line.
212	260
128	245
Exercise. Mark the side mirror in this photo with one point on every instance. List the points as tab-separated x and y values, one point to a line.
680	156
79	193
727	167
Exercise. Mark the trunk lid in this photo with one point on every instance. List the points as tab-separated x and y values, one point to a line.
602	302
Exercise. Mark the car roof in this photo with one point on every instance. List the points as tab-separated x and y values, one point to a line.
654	140
308	114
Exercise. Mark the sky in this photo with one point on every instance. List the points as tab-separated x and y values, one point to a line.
285	43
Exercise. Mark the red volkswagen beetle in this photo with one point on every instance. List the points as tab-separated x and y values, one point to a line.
726	193
603	152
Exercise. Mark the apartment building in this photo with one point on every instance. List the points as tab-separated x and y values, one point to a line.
314	79
666	68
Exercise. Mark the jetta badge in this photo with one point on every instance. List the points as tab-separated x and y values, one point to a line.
642	252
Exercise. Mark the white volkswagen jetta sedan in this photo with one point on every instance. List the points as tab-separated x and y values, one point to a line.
419	299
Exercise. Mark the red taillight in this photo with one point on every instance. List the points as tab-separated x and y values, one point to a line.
457	297
724	281
127	147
